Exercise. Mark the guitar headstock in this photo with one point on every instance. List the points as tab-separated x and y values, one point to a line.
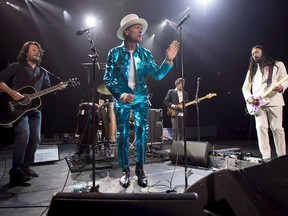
210	95
73	82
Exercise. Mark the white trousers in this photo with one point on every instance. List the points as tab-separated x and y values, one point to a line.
270	117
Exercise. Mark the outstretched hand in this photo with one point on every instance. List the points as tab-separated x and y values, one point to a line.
172	50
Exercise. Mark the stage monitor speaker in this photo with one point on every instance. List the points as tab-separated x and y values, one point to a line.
129	204
257	190
197	152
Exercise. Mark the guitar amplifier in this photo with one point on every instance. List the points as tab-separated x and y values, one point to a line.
155	130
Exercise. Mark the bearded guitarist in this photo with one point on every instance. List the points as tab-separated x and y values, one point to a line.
25	72
265	73
171	101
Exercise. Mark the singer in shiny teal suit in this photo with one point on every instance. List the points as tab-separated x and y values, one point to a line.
116	80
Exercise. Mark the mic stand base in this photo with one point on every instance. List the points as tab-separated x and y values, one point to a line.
95	189
180	188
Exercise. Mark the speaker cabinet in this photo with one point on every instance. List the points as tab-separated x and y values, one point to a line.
155	130
258	190
197	152
123	204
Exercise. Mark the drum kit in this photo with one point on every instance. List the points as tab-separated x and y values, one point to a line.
105	128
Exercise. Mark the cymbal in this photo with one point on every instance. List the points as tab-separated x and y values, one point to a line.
102	89
102	65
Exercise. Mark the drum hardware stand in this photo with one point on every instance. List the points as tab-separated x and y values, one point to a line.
80	150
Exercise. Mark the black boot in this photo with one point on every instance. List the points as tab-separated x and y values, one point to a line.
125	178
142	180
17	178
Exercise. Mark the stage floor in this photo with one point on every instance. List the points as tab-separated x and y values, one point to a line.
58	176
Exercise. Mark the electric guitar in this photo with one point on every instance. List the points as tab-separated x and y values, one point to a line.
11	110
173	112
253	109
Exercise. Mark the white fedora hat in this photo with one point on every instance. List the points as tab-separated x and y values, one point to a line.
130	20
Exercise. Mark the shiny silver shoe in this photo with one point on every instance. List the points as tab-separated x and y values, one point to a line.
125	178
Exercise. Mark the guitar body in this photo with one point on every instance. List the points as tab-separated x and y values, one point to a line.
171	112
11	111
253	109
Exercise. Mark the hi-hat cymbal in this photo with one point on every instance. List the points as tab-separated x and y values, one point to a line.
102	89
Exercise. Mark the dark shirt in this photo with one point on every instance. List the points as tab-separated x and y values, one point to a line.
172	97
18	75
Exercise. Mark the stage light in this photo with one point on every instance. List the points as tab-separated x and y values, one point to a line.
13	6
204	3
90	21
165	22
66	16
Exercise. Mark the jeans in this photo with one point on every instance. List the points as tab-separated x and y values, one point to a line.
27	138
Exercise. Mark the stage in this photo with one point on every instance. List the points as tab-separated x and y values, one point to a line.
164	176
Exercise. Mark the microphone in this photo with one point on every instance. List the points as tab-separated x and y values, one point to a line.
187	16
197	90
149	96
84	30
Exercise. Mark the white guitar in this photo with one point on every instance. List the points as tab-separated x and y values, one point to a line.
253	109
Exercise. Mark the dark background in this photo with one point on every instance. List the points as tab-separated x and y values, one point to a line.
216	46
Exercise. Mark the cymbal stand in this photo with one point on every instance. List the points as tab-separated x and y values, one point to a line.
95	62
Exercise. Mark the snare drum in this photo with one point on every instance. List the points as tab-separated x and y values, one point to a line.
109	127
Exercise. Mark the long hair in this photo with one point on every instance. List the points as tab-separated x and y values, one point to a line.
22	55
266	61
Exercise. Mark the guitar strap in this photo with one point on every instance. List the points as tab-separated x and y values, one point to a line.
39	76
269	80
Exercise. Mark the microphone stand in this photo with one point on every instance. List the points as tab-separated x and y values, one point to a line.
197	108
95	62
184	110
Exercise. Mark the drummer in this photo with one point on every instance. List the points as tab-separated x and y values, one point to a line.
104	95
104	99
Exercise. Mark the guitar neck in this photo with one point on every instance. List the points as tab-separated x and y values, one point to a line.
44	91
264	94
194	101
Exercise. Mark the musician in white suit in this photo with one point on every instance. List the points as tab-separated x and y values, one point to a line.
263	90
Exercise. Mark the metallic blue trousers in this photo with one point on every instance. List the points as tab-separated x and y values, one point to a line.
122	112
